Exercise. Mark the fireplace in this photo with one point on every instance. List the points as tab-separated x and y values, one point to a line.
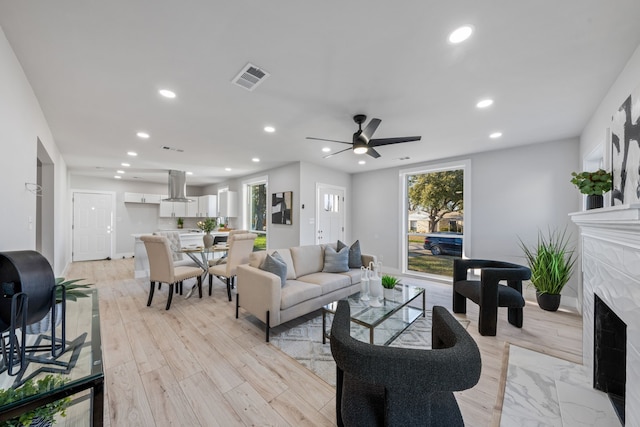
610	250
609	355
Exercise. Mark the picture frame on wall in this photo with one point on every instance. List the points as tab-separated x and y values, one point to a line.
281	208
625	151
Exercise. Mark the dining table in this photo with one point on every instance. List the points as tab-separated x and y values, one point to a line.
201	255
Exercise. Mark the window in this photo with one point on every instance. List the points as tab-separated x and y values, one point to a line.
434	201
258	207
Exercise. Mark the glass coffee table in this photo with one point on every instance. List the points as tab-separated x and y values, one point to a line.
380	325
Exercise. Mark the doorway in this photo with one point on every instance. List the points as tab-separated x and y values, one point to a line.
330	213
92	226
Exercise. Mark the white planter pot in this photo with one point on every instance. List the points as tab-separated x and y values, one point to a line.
44	325
389	294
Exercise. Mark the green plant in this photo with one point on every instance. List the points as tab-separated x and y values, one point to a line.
73	290
551	262
32	387
207	225
592	183
180	222
389	282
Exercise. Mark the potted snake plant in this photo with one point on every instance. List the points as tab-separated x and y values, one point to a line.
551	262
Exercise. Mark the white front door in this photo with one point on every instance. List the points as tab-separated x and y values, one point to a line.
331	215
92	216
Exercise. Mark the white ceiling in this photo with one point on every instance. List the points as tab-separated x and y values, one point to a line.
96	67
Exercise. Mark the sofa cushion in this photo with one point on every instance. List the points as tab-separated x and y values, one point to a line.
355	275
328	282
276	265
355	254
257	258
307	259
336	262
294	292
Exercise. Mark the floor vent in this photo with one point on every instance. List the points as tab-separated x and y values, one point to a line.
250	77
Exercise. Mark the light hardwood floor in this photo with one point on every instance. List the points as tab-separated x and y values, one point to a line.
196	365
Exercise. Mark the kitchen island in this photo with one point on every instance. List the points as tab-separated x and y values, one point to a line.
188	239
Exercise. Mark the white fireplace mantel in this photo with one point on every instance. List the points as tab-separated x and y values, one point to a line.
610	242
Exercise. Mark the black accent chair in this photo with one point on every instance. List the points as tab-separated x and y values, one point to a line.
390	386
488	293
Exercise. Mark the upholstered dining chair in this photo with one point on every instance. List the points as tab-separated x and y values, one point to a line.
163	270
391	386
240	246
488	292
223	259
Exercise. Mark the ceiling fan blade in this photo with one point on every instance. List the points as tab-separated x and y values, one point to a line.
337	152
368	132
330	140
386	141
373	153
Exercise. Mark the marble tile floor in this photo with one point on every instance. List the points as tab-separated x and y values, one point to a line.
546	391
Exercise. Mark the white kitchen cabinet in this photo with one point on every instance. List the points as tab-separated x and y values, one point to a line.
172	209
228	204
142	198
192	207
207	206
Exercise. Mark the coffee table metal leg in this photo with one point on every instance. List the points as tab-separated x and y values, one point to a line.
324	327
423	305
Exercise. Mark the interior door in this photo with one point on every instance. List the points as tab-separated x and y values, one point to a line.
92	216
331	215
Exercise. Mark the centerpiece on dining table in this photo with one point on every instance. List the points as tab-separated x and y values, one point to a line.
207	225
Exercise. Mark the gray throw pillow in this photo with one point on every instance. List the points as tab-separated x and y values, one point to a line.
355	255
275	264
336	262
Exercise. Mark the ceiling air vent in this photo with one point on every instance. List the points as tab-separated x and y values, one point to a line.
250	77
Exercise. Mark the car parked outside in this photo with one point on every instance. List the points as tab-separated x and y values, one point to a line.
444	243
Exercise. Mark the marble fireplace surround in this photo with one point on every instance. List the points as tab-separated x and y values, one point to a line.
610	242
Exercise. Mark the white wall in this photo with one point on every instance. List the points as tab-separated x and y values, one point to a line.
131	218
595	132
22	123
514	193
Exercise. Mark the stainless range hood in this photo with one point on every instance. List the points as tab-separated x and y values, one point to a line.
177	187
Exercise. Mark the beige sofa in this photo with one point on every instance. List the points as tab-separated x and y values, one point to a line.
307	288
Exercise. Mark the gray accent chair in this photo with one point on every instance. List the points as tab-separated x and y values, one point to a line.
488	293
390	386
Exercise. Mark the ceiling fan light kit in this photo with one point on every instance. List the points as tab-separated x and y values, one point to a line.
363	143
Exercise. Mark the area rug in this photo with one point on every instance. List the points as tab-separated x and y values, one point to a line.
302	339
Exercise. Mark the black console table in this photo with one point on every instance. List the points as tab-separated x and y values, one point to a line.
81	365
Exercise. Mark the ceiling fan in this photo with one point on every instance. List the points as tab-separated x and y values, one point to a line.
362	142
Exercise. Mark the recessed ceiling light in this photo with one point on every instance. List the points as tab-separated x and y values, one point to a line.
126	165
117	177
460	34
484	103
495	135
167	93
269	129
120	171
227	169
255	159
142	135
326	149
362	162
189	173
132	153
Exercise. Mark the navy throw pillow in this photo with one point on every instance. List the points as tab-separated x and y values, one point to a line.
355	255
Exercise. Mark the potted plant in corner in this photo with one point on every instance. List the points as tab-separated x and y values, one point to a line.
389	283
43	415
551	262
74	290
594	185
